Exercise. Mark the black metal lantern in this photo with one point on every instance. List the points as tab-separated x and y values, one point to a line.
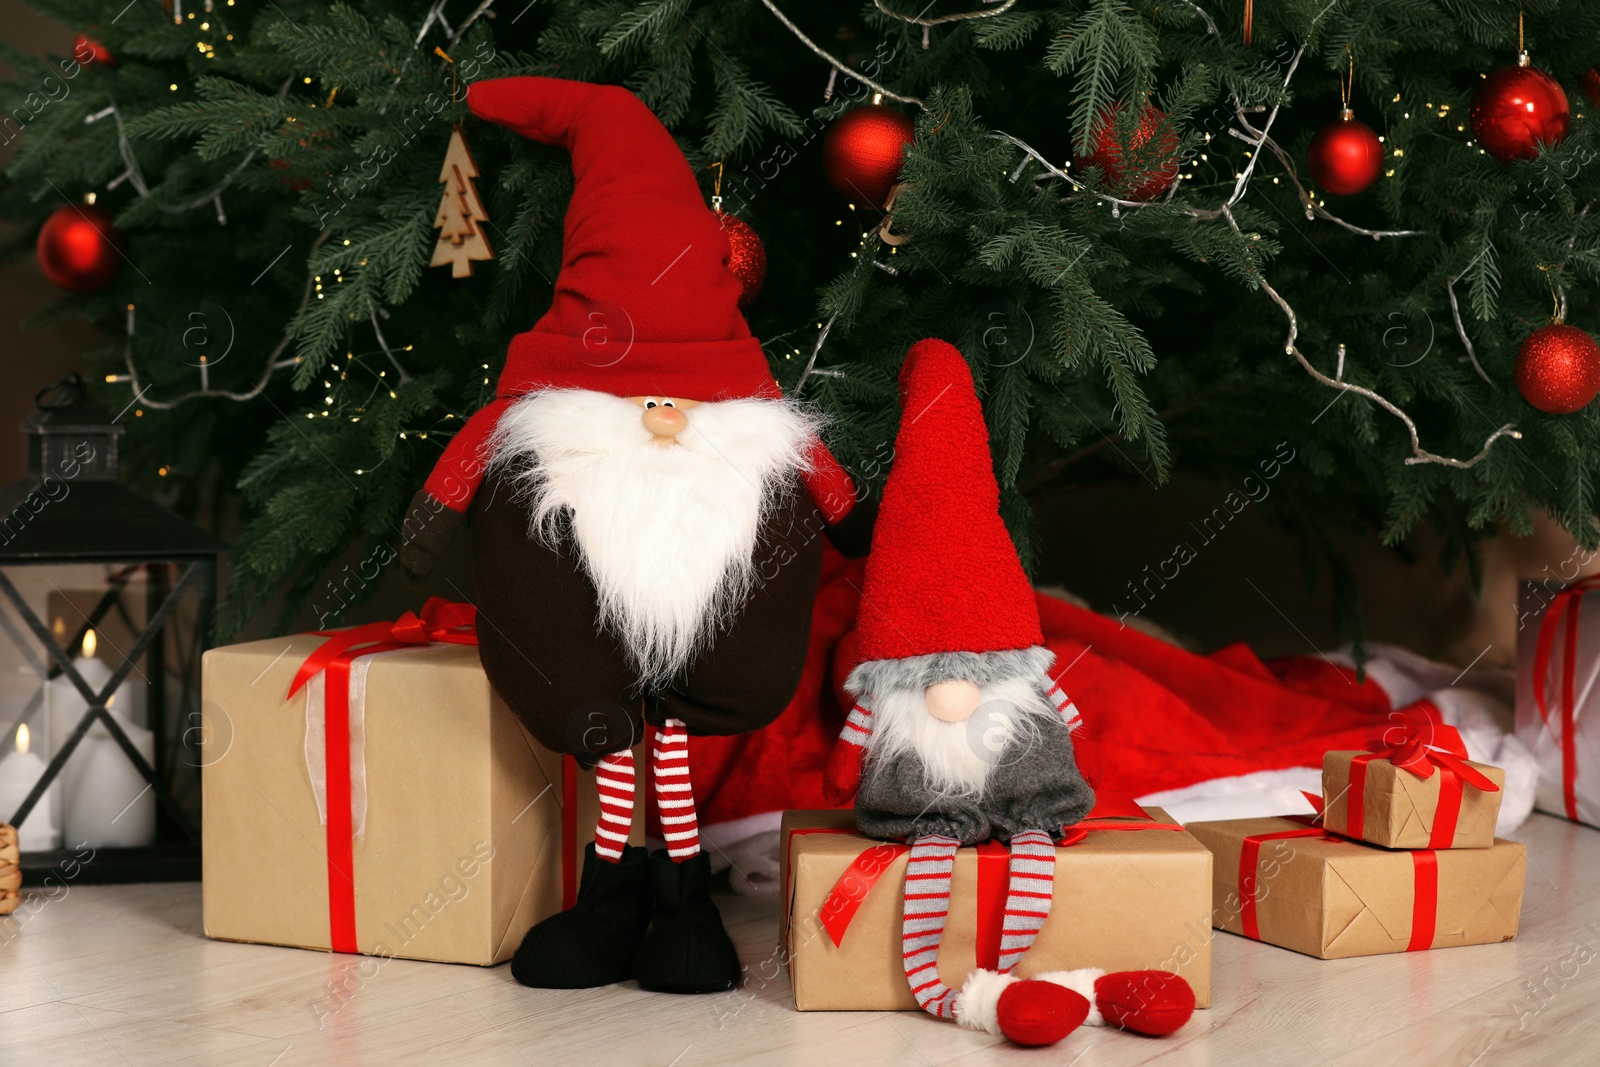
105	602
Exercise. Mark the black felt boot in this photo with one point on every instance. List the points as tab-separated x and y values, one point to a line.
687	949
593	942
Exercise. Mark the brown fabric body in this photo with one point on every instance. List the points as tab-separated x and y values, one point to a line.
570	681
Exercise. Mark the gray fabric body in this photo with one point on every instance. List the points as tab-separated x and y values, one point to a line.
1035	786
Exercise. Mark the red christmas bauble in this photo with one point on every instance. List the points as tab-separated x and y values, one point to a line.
1147	165
1517	109
863	151
1591	86
1346	157
747	258
86	50
80	248
1558	369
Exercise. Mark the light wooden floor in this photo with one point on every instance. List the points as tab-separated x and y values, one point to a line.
114	975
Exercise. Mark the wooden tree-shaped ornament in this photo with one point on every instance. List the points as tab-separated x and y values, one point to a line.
461	213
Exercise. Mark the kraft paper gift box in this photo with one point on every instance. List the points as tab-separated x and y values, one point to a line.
1282	881
1431	800
462	844
1558	664
1124	900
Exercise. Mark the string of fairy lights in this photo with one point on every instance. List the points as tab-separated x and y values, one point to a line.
1258	139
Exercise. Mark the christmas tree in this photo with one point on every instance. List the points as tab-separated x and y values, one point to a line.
1108	205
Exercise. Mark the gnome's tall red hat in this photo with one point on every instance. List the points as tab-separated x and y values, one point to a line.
645	304
945	596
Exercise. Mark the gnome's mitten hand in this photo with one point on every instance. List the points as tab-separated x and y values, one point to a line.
429	529
842	776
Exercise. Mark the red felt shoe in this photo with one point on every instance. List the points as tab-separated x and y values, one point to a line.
1040	1013
1146	1002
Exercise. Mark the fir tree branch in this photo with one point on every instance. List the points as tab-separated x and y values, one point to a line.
836	64
1419	455
271	364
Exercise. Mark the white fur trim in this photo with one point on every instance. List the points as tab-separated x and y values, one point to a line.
1081	982
957	758
978	1002
666	533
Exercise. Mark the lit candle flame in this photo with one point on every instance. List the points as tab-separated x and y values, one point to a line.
90	643
22	740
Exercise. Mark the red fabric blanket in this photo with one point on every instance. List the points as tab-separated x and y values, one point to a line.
1155	716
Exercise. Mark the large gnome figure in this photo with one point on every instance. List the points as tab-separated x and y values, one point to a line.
645	509
958	732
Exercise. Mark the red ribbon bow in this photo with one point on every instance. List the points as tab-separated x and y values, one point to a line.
1112	811
1562	619
442	621
1418	743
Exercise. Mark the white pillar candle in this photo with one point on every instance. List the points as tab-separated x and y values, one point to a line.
65	708
19	772
108	802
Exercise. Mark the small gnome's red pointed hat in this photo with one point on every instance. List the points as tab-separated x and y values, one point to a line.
644	303
943	575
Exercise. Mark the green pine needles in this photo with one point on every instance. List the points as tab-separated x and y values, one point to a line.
274	167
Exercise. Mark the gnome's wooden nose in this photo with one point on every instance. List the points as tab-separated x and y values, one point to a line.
952	701
664	422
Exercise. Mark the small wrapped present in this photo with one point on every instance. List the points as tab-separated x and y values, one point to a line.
1412	788
1288	882
367	791
1558	664
1132	892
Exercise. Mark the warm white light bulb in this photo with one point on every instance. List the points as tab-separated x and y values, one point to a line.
90	643
22	740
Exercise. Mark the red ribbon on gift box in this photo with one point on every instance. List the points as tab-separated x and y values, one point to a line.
1112	811
441	622
1424	880
1420	744
1562	619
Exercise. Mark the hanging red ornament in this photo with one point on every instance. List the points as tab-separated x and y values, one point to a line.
1591	86
747	258
80	248
87	50
1345	156
1147	165
1517	109
1558	369
863	151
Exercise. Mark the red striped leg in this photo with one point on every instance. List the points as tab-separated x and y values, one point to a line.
669	772
614	776
1065	708
858	725
926	906
1033	869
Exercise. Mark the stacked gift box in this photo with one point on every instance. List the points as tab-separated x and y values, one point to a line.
1402	857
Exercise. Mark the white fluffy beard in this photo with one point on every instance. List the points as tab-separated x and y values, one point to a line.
666	533
961	758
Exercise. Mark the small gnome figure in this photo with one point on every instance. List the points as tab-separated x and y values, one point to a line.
646	509
959	734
